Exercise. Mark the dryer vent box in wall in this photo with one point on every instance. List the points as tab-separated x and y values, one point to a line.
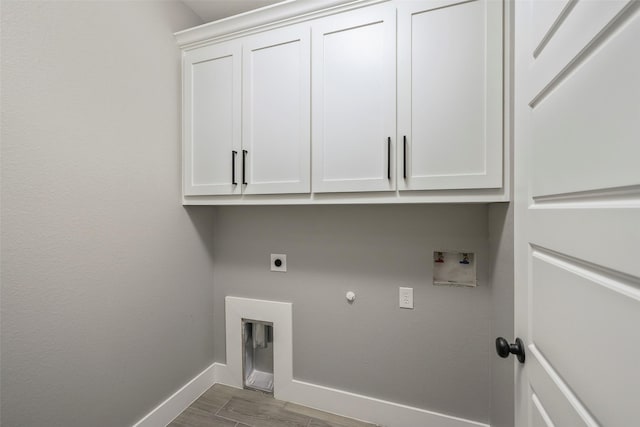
257	355
454	268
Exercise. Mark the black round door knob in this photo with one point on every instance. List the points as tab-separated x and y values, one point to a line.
503	348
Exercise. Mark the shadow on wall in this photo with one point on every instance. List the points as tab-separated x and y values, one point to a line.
501	257
347	240
436	356
202	218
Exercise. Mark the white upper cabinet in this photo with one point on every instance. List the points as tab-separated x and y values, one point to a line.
354	100
395	101
276	129
211	119
247	115
450	97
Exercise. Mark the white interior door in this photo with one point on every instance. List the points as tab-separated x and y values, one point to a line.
354	100
211	120
578	212
276	111
450	94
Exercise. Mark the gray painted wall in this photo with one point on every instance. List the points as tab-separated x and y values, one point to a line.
111	291
435	357
106	280
501	247
502	370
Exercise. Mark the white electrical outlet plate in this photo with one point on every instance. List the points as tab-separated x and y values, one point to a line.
406	298
279	262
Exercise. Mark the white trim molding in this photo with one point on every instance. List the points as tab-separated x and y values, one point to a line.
173	406
278	313
360	407
286	388
319	397
326	399
265	18
370	409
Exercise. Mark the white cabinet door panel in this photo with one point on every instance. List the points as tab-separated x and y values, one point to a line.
212	119
353	97
450	95
276	111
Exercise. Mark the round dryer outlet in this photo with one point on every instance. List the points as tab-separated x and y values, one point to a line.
279	262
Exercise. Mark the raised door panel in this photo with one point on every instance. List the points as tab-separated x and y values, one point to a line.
353	101
450	94
569	40
577	204
276	111
211	119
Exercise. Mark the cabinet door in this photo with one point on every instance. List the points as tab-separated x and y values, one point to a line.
276	111
353	100
211	120
450	94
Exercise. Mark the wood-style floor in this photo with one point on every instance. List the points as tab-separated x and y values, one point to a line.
223	406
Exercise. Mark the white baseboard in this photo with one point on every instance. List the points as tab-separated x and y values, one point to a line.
287	388
173	406
326	399
357	406
223	375
369	409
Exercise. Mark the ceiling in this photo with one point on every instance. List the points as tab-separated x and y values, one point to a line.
212	10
